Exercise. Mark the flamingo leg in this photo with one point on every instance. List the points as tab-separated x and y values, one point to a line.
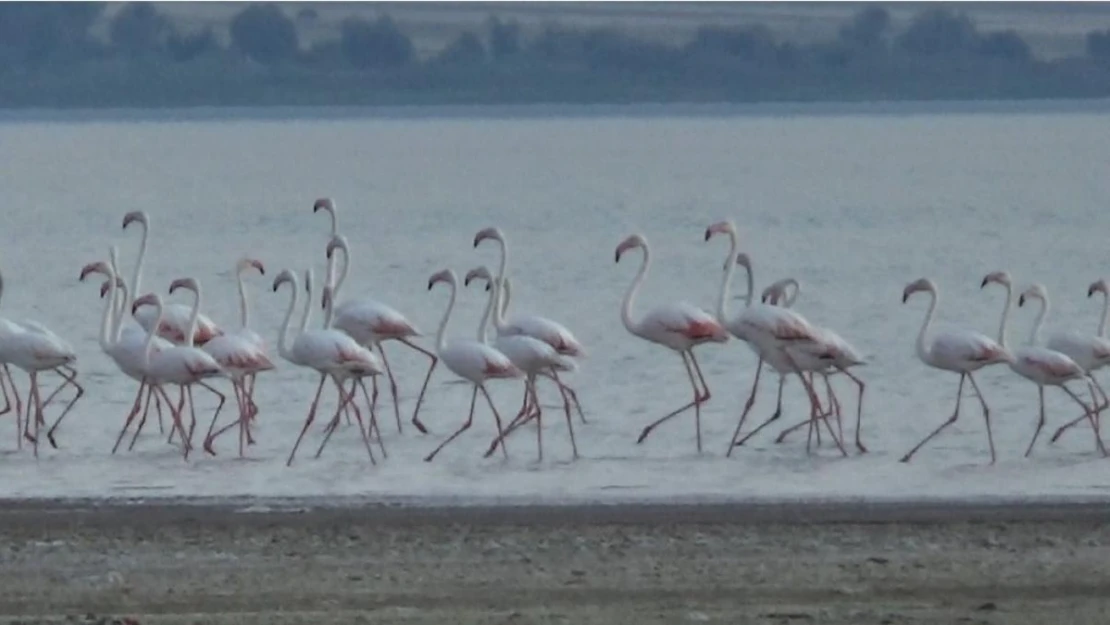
427	377
1084	416
192	419
568	392
522	417
308	421
539	419
157	407
345	400
465	427
1040	419
774	416
1090	415
71	379
948	422
373	417
209	437
38	409
8	408
695	404
7	372
986	413
392	385
135	407
747	408
174	413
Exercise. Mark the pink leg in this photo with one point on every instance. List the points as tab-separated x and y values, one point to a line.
695	404
175	414
150	394
392	386
568	393
345	400
747	408
135	407
1090	415
524	416
774	416
71	379
1040	420
465	427
38	409
373	416
240	401
950	421
308	421
1070	424
419	400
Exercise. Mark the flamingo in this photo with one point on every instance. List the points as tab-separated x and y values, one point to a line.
473	361
535	326
125	349
176	316
329	352
1090	352
370	322
181	365
768	331
16	338
678	326
958	351
530	355
242	354
1040	365
842	356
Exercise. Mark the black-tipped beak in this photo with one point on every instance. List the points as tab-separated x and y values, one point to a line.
430	284
708	233
905	296
477	241
487	286
984	283
466	282
1090	291
1021	301
618	257
275	288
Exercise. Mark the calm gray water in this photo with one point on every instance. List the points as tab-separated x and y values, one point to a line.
853	206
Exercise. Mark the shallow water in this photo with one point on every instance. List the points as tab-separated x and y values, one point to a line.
853	206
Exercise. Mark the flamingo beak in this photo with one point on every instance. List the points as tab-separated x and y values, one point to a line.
257	264
984	283
488	286
708	233
1021	300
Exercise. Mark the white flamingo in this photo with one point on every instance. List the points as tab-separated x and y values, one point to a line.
677	326
369	321
472	361
176	317
242	354
329	352
1090	352
551	332
181	365
768	331
1040	365
16	339
530	355
841	356
958	351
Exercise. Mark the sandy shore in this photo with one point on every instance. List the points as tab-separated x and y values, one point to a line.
837	563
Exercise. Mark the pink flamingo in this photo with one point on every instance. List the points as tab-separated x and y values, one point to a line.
1040	365
777	336
472	361
1090	352
677	326
176	316
530	355
242	354
551	332
371	322
958	351
330	352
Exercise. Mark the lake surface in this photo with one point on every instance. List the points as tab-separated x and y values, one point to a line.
853	206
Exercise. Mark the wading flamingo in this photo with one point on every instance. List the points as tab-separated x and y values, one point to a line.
472	361
1090	352
530	355
329	352
1040	365
842	355
535	326
768	331
677	326
958	351
370	322
176	316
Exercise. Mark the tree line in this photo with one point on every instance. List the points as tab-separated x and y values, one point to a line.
49	58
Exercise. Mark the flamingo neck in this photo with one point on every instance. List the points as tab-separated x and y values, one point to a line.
922	351
503	291
504	258
120	311
491	303
329	311
307	302
138	274
283	346
194	317
1041	315
1105	315
151	333
109	312
1005	316
338	282
244	307
633	290
441	340
726	279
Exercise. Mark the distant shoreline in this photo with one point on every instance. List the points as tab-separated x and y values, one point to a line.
544	111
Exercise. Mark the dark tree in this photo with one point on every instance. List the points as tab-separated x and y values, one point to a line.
504	39
31	32
1098	45
867	28
375	44
938	32
1006	45
138	30
188	46
752	43
264	34
466	49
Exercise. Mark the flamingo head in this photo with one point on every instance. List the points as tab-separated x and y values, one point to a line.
139	216
97	267
478	273
997	277
337	242
776	291
283	277
324	203
489	233
443	275
184	283
1099	286
246	263
921	284
151	299
744	260
108	285
631	242
721	227
1035	291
